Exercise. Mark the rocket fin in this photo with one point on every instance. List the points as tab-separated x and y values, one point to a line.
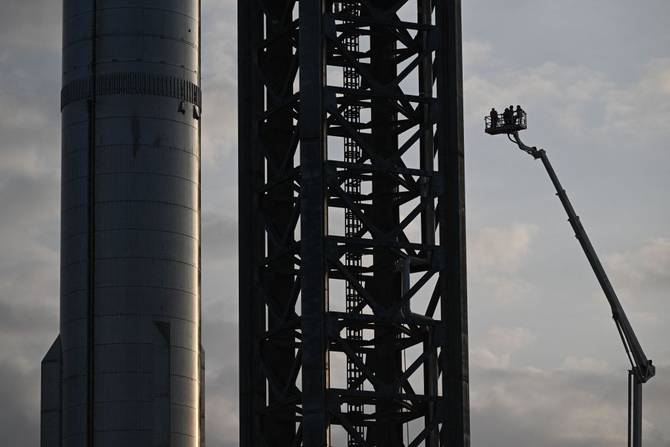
50	428
202	396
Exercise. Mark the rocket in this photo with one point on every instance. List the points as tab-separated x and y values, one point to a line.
127	368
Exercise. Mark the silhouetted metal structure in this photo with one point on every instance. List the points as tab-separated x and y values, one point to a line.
353	317
127	368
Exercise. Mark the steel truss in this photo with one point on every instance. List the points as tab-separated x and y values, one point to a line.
353	317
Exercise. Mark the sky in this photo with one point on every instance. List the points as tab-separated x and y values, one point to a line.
547	366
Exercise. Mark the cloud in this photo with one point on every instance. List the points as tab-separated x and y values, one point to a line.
221	375
29	119
642	278
571	406
19	390
476	54
28	292
513	338
219	79
496	257
496	348
585	364
222	413
42	16
219	235
643	105
649	264
500	249
220	269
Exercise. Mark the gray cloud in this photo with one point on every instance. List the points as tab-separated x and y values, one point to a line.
610	36
31	26
648	265
220	86
19	389
219	236
531	406
29	204
221	382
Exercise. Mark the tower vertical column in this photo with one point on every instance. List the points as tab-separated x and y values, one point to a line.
451	157
270	281
313	219
251	236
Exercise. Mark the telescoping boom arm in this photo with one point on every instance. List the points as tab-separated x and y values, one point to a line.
642	368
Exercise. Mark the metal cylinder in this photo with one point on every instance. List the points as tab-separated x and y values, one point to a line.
130	242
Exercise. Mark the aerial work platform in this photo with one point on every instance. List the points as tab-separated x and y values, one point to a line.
505	123
642	367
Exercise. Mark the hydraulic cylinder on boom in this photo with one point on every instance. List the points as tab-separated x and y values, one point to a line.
642	368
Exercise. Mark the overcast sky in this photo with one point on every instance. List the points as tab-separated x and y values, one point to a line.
547	367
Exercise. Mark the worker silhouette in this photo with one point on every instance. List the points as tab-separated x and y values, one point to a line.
508	115
519	115
494	118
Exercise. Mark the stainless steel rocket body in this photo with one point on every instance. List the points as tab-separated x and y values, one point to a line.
130	366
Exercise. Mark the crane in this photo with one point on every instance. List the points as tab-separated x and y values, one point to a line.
642	368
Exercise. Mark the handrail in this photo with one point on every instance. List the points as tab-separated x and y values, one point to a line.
501	123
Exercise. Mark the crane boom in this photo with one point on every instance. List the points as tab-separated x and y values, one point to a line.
642	368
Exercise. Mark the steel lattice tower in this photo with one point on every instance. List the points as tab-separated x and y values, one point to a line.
353	309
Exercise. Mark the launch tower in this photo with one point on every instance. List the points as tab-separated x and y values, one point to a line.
353	310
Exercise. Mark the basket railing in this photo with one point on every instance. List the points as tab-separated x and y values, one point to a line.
517	121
